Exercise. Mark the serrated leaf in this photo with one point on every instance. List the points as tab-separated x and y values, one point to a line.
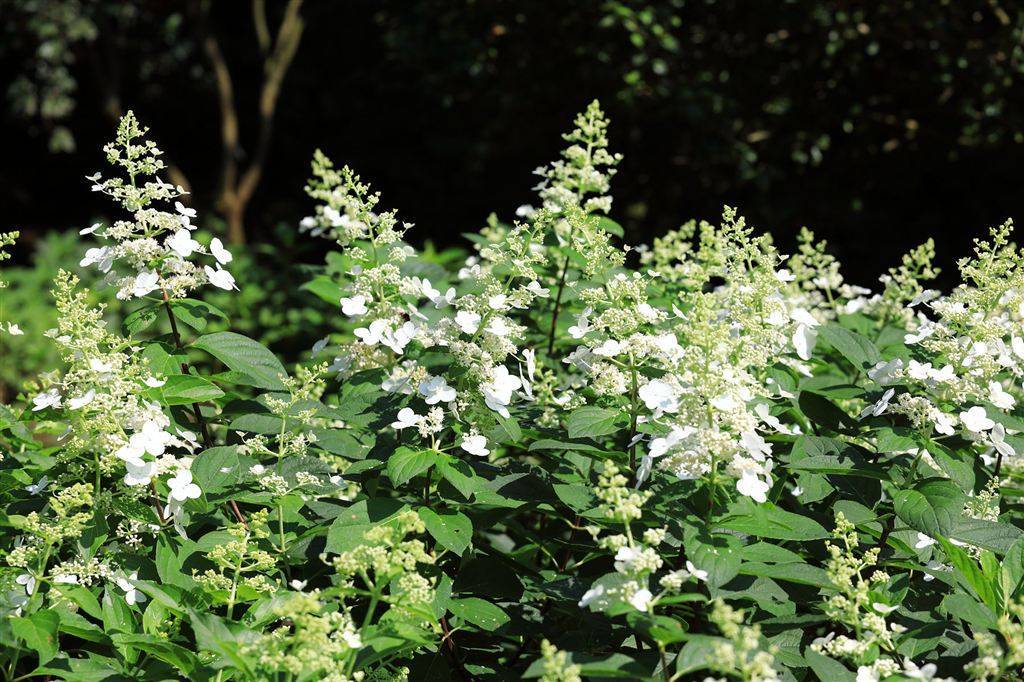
39	633
451	529
407	463
933	506
347	529
828	668
460	475
245	356
859	350
185	389
591	422
991	535
479	612
140	319
768	521
217	468
196	314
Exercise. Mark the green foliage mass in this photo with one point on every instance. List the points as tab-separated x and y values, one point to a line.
563	457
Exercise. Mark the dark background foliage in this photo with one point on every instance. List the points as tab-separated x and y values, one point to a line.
875	124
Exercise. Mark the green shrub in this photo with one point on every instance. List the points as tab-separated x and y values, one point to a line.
562	458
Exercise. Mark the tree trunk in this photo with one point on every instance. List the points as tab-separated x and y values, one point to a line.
234	213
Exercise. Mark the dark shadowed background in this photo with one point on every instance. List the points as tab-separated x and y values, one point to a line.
875	124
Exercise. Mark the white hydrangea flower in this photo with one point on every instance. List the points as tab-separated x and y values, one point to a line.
354	306
976	420
182	243
498	391
406	417
659	396
139	472
217	250
399	338
756	446
582	326
641	599
182	488
373	334
592	596
28	581
38	487
50	398
696	572
220	278
145	282
880	406
132	595
475	444
1000	398
468	322
998	438
435	390
82	400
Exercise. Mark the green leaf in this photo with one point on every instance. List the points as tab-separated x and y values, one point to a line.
800	573
179	657
828	668
824	412
76	625
958	465
615	666
840	466
608	225
213	635
245	356
932	507
451	529
140	319
971	574
721	562
407	463
697	653
163	358
768	521
325	288
591	422
117	616
479	612
81	596
860	351
185	389
460	475
506	431
585	448
991	535
349	527
196	314
81	669
38	632
217	468
969	609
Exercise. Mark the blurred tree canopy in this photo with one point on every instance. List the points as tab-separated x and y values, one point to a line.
876	124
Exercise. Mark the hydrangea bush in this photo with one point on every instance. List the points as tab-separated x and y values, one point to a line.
565	459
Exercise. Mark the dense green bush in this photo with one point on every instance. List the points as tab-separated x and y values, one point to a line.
562	458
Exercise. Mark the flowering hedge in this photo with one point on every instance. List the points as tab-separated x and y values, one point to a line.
565	459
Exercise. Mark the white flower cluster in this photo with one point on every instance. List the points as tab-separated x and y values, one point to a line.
698	372
397	317
966	354
104	396
152	250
